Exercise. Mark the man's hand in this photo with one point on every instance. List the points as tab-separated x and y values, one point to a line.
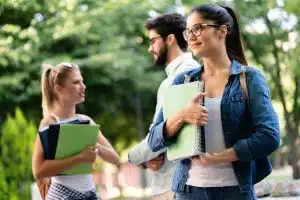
154	164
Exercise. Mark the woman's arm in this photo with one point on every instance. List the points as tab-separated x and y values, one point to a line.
162	132
193	113
45	168
228	155
106	151
265	138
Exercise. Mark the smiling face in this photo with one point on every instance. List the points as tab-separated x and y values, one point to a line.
210	39
72	90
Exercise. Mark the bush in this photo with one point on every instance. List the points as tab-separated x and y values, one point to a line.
16	141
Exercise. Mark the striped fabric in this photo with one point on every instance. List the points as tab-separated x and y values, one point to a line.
61	192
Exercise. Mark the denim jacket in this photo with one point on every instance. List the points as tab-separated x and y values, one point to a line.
250	126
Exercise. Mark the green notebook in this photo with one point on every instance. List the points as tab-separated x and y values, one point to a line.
72	139
190	140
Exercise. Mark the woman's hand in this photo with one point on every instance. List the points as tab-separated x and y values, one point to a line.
206	159
194	113
107	152
225	156
89	154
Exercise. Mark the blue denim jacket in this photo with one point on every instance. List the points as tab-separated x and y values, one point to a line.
250	126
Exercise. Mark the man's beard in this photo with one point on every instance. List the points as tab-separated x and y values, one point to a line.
162	57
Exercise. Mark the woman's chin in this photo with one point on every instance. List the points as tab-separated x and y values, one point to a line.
197	53
81	100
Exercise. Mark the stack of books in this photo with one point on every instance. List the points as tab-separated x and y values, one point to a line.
63	140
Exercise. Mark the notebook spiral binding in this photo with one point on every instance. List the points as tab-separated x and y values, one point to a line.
200	135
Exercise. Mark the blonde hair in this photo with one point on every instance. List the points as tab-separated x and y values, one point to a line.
52	76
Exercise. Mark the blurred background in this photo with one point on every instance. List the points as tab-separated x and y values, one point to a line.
107	39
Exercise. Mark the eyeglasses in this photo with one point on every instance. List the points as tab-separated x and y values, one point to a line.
152	40
196	30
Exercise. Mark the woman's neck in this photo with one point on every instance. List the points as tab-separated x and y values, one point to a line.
63	111
215	66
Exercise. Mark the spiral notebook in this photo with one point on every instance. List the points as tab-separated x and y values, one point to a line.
190	140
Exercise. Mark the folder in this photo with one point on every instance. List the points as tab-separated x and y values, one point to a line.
64	140
72	139
190	140
49	136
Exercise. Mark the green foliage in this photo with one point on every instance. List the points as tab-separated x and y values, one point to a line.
103	37
17	136
3	184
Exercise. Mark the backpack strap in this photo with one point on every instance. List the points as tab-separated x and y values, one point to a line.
244	83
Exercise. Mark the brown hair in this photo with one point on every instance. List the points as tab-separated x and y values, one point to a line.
223	15
170	23
52	76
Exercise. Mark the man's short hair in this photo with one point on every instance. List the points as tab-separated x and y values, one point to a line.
166	24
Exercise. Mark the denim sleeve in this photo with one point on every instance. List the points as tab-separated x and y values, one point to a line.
265	125
156	140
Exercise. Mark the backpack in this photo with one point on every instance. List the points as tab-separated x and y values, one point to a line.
259	163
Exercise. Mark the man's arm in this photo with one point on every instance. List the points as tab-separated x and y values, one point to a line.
141	153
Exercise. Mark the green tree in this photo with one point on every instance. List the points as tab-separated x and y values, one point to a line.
272	47
103	37
17	136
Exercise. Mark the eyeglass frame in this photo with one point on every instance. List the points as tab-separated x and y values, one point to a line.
152	40
186	33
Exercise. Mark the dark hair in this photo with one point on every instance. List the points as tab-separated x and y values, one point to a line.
223	15
171	23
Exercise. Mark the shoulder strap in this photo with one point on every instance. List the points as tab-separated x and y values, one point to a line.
85	117
244	83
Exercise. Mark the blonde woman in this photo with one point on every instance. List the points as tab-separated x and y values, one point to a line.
62	89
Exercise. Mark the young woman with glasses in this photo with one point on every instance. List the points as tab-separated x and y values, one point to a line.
240	130
62	89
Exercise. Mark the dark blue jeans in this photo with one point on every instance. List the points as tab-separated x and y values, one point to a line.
214	193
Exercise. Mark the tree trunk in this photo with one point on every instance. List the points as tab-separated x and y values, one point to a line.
296	172
277	160
294	156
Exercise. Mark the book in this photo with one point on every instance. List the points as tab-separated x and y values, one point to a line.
49	136
72	139
190	139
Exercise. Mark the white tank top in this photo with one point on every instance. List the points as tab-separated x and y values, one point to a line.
217	175
82	182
